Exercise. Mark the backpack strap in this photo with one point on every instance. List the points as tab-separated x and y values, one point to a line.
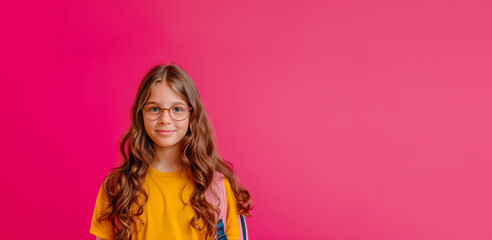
243	228
221	231
219	188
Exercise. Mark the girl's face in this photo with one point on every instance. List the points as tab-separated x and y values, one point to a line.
162	95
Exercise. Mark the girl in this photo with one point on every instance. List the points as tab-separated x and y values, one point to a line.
158	192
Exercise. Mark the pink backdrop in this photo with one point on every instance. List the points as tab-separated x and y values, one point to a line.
353	120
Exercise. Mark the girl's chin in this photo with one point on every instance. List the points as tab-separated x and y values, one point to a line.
165	144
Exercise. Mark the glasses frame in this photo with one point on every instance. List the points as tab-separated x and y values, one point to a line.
168	110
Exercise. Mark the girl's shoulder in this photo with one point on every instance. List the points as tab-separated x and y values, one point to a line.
222	179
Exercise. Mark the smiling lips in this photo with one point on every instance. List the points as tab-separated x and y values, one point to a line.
165	132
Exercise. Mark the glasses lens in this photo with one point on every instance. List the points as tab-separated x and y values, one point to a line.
152	112
179	112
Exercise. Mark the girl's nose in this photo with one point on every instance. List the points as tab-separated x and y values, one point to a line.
166	116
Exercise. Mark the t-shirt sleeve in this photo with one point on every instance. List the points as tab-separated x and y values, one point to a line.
232	222
103	229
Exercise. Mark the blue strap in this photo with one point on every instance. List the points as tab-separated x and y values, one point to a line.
220	231
244	227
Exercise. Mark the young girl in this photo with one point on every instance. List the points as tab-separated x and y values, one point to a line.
159	191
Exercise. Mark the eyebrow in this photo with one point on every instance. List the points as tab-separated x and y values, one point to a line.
160	104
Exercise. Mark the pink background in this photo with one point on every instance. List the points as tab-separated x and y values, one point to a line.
353	120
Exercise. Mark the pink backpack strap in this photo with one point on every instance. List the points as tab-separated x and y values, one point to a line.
243	227
219	188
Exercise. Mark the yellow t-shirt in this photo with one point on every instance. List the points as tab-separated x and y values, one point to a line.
165	215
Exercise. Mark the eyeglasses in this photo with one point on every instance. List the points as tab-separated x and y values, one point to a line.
179	112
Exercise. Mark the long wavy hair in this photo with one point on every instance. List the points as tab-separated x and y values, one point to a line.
124	184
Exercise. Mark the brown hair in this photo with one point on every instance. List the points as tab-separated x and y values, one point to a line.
125	183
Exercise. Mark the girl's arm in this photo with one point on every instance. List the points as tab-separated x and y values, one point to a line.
98	238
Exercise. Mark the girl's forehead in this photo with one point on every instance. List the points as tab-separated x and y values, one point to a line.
164	95
169	104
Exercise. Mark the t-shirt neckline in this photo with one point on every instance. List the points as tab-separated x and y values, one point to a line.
165	174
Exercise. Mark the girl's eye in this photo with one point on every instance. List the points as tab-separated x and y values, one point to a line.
154	109
177	109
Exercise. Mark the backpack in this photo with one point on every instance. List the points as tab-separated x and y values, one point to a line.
218	186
